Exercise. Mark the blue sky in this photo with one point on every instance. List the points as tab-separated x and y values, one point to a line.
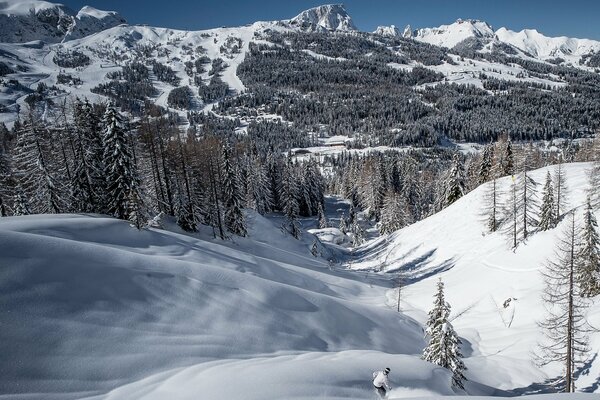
575	18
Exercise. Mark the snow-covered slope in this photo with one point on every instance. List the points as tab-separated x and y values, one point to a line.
495	292
450	35
90	304
94	309
544	47
331	17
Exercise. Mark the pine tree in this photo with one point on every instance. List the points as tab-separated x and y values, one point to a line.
33	169
548	218
232	196
507	161
511	215
20	205
491	205
123	186
258	188
443	347
588	275
455	184
289	198
527	203
358	234
565	328
323	223
343	227
561	189
485	165
394	214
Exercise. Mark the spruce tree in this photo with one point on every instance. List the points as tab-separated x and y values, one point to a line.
548	218
122	182
443	347
288	195
33	169
232	195
394	214
455	184
507	161
343	227
323	223
491	205
485	165
588	275
561	189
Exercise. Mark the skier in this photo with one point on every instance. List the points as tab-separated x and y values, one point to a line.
381	382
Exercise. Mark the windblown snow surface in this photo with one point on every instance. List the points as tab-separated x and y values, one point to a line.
93	309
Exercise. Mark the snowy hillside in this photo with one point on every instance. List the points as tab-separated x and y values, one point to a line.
94	309
91	304
495	292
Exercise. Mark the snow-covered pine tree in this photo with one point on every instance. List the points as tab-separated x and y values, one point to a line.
323	223
122	182
184	210
20	204
565	328
507	161
288	195
342	226
455	183
561	189
232	195
394	214
258	188
588	268
548	218
485	165
32	169
443	348
358	234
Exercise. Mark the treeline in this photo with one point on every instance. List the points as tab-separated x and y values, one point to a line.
95	160
398	188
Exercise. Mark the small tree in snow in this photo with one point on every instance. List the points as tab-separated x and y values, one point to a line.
343	227
548	217
323	223
443	347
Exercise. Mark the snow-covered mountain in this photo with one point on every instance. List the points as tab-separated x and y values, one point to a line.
90	20
544	47
450	35
387	30
27	20
530	41
331	17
